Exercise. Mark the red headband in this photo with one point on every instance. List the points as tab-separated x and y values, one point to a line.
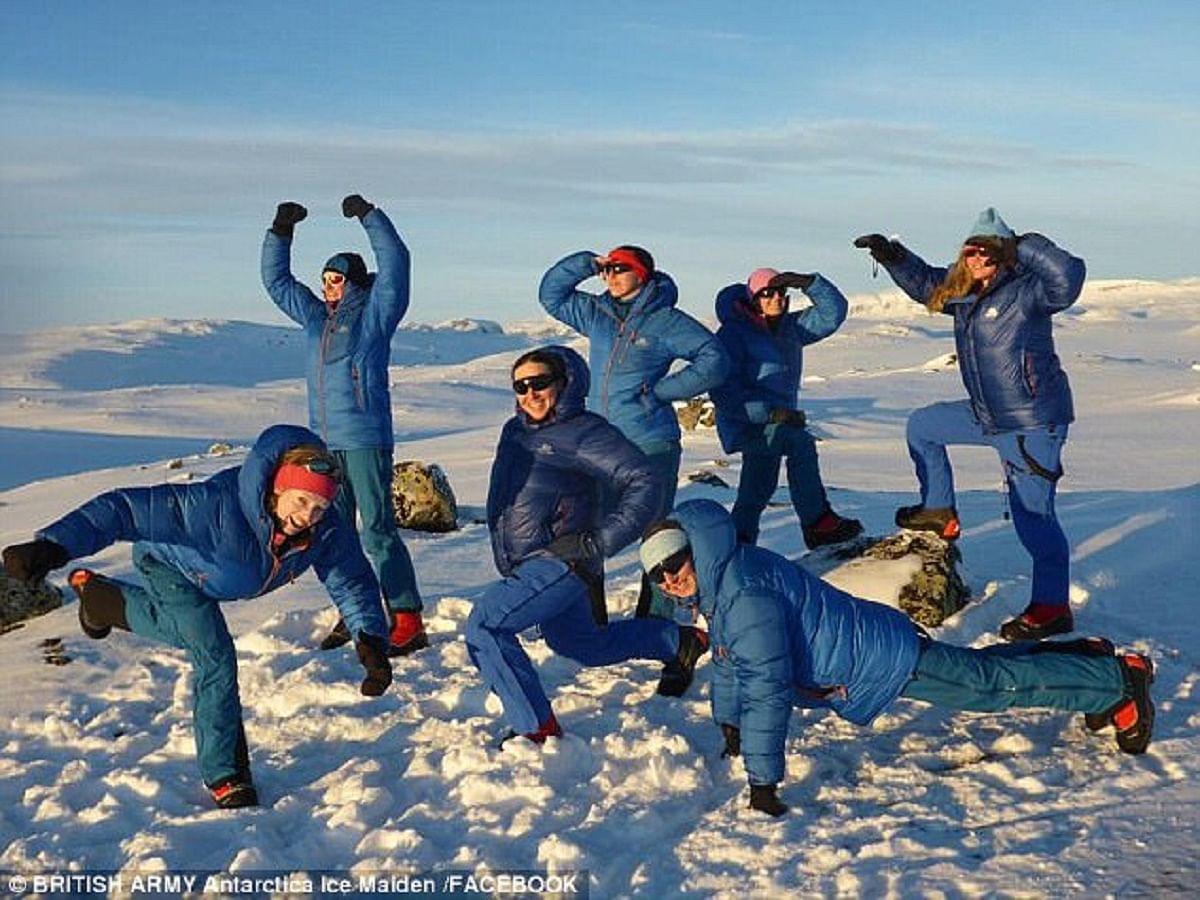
629	258
290	475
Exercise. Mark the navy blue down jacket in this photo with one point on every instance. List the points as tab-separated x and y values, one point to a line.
547	476
782	638
1003	335
766	365
217	533
347	352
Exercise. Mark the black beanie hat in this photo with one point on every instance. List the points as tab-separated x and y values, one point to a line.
349	264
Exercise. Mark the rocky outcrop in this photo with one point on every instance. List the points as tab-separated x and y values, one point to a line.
422	497
698	412
18	601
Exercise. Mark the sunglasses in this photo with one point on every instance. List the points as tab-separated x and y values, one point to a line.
766	292
615	269
670	566
970	251
321	466
534	382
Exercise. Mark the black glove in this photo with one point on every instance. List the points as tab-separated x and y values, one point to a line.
372	653
355	205
881	249
764	799
733	741
286	217
32	562
788	417
575	547
792	280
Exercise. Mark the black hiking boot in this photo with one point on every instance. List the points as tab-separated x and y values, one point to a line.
1134	717
101	604
941	520
339	637
1038	622
678	673
234	792
831	529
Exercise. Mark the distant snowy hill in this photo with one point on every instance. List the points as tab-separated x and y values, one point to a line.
97	767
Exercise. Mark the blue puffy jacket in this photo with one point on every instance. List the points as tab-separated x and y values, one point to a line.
347	353
1004	336
765	365
782	638
547	475
631	355
217	533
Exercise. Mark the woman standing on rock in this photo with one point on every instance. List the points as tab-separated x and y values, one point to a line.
1002	292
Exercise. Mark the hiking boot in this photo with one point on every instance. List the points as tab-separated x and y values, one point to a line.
1134	717
339	637
678	673
1037	622
408	634
548	729
101	604
831	529
234	792
1088	646
941	520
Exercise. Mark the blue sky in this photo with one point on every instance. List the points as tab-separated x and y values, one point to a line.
145	144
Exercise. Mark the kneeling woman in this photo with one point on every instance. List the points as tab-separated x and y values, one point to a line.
782	638
242	533
549	540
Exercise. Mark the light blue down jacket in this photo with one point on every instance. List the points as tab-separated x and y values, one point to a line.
347	352
1004	335
766	365
630	355
217	534
782	638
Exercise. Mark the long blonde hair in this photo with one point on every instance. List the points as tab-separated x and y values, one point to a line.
958	283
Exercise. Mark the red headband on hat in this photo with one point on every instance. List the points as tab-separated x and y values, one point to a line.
629	258
290	475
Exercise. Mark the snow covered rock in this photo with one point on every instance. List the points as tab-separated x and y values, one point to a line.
422	497
18	601
698	412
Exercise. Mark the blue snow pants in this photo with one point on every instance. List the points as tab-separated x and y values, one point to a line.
172	610
762	454
543	591
1031	495
1004	676
366	491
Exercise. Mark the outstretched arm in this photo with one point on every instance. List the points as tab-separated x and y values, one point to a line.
827	313
762	661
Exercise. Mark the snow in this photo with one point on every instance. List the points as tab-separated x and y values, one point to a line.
97	767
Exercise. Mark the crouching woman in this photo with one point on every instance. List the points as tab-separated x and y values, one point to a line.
242	533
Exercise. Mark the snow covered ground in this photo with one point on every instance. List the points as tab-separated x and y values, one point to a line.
96	760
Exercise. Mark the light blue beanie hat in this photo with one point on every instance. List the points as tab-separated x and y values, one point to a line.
989	224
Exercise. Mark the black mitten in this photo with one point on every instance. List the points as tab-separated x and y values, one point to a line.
33	561
286	216
733	741
575	547
372	653
788	417
881	249
355	206
764	799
